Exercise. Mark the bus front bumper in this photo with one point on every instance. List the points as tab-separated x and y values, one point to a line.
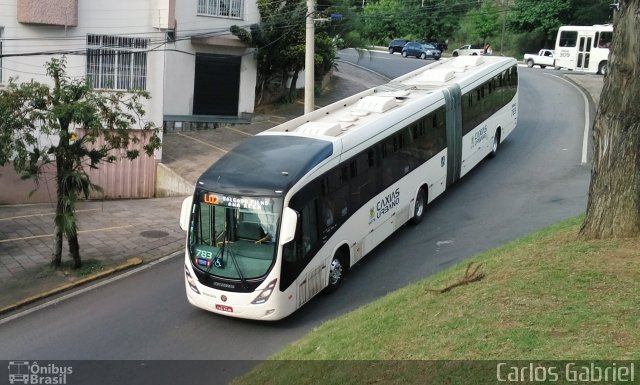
233	304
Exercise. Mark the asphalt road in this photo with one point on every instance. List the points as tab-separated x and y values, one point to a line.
535	180
389	65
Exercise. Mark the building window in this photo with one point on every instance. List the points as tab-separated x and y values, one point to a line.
116	62
222	8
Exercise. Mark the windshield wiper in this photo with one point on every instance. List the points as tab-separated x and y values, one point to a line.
233	259
220	254
237	266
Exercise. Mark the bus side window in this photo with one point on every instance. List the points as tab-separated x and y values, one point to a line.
328	213
306	239
309	227
604	40
362	183
568	38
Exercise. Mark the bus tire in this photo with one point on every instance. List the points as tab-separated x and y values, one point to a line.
603	68
419	207
530	63
495	145
336	272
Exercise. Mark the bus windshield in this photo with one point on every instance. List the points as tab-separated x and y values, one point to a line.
234	236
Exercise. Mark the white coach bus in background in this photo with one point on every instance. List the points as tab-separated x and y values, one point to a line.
584	48
286	213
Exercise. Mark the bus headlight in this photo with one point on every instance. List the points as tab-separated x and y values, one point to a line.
265	293
190	281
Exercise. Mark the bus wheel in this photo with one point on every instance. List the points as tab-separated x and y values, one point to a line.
603	68
419	207
336	272
495	145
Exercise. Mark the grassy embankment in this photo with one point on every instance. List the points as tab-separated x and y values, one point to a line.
547	296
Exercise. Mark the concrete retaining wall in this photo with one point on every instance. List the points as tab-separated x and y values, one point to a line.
170	184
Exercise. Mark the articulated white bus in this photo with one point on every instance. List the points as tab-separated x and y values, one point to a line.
286	213
584	48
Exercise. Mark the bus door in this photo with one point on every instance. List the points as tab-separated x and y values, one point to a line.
584	52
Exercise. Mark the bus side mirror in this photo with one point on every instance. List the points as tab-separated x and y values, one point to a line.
288	225
185	213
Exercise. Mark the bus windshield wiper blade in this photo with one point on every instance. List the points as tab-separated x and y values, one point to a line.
237	266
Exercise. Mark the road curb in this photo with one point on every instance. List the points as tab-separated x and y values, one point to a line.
131	262
592	101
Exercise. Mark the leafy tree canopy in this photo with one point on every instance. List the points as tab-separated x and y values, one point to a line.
39	124
280	44
589	12
542	16
486	20
385	19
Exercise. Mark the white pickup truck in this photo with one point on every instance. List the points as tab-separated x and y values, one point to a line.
543	58
469	49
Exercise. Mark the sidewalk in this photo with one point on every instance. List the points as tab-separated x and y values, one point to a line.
111	233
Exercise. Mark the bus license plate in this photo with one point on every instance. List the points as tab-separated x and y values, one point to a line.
228	309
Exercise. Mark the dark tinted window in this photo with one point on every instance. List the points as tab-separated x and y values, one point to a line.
484	100
603	39
568	38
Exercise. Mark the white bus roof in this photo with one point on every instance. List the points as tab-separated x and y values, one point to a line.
596	27
275	159
355	119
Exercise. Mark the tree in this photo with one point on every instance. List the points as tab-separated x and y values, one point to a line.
345	32
442	17
589	12
613	209
542	16
31	111
385	19
280	45
279	40
485	20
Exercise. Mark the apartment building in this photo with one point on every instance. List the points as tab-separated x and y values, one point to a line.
180	51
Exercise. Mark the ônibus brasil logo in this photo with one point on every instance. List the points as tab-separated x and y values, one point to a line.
25	372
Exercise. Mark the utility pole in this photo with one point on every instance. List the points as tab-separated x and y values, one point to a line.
504	25
309	59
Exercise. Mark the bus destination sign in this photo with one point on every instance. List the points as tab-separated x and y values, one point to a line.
236	201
